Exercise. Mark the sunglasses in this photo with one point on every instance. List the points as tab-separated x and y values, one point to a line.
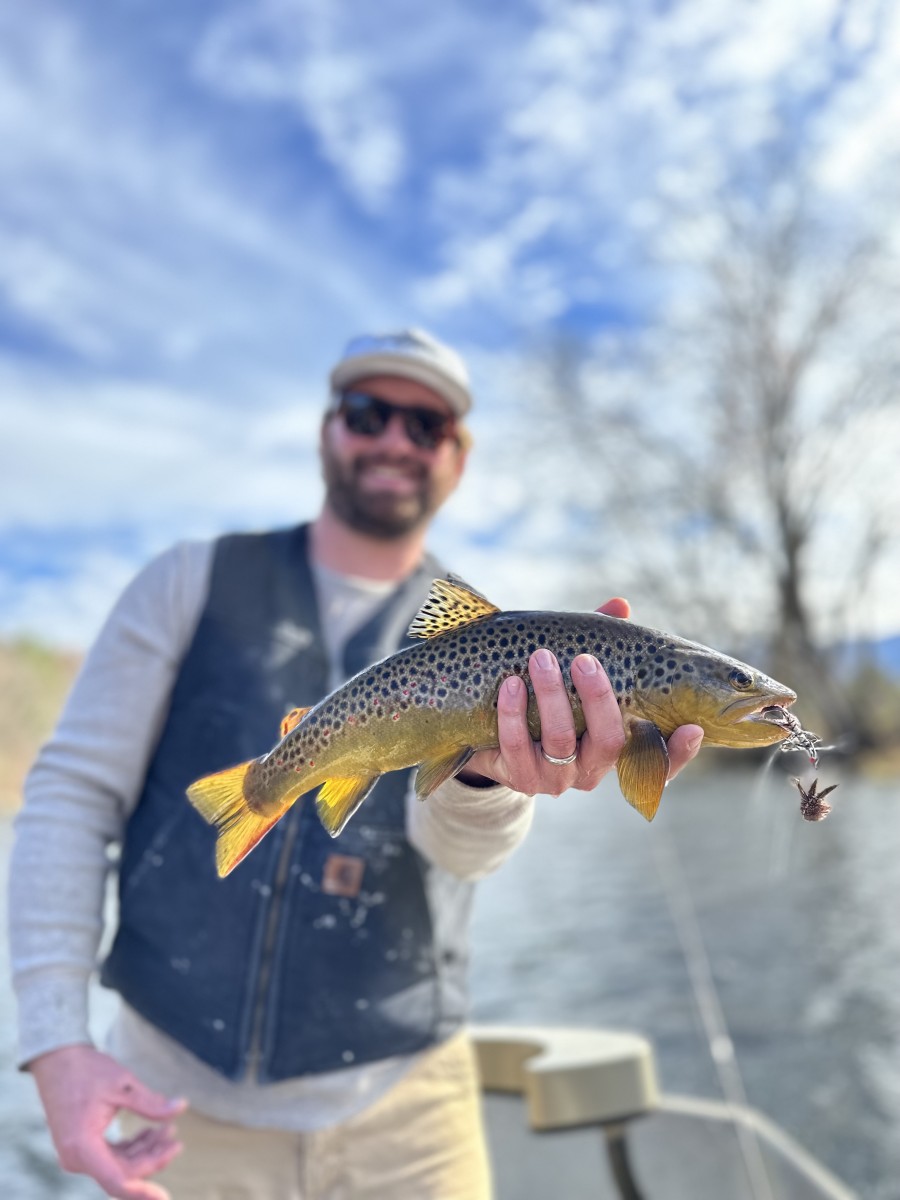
368	416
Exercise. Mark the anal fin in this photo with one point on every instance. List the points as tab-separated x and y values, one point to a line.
643	766
338	800
435	771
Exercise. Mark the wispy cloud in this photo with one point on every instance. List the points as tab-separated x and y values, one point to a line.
615	112
132	242
295	52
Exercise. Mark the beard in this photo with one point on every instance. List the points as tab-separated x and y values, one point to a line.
382	515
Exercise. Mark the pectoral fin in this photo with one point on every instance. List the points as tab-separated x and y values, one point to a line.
435	771
338	800
643	766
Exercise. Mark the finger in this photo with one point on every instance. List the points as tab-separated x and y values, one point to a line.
149	1141
616	607
143	1189
118	1177
554	706
558	737
133	1148
516	747
684	744
604	734
130	1093
150	1160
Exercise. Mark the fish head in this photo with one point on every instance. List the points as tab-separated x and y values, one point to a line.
735	704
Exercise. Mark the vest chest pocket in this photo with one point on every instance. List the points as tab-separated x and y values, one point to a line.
364	858
367	881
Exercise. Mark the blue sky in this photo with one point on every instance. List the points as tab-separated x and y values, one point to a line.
200	202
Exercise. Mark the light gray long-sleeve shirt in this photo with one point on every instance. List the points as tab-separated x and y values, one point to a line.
80	793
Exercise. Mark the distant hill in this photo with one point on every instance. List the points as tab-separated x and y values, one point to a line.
884	654
34	681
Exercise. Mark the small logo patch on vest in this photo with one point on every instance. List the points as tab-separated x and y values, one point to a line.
343	875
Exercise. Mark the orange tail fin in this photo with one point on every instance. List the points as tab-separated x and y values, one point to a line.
220	800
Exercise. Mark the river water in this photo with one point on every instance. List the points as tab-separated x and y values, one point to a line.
600	919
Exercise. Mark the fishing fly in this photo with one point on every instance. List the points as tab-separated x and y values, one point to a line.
813	806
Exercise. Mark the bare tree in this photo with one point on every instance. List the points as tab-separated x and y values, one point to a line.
738	465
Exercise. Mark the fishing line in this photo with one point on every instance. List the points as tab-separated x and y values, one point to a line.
781	840
709	1005
772	834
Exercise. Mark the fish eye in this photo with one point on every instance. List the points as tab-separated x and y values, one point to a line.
740	679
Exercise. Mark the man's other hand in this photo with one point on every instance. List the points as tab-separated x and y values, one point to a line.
82	1090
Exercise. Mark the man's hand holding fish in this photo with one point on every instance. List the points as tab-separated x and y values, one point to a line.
528	766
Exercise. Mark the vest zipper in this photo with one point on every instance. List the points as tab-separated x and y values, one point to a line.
279	884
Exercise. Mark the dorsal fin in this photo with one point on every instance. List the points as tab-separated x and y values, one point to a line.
451	603
292	720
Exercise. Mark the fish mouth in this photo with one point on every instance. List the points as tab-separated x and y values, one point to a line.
774	714
762	708
793	735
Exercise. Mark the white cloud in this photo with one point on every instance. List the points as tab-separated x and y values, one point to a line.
98	477
126	238
614	113
490	267
123	453
866	115
295	52
755	43
65	612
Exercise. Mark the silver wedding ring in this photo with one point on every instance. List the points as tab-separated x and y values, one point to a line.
559	762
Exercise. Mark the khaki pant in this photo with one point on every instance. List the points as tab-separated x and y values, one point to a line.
422	1141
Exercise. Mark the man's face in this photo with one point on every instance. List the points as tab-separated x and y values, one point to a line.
386	486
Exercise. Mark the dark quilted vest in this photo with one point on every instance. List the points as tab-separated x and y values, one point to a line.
315	953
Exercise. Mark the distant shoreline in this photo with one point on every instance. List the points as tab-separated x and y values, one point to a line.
34	682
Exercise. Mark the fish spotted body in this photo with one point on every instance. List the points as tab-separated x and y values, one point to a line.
434	704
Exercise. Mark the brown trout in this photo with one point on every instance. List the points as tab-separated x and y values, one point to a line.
435	703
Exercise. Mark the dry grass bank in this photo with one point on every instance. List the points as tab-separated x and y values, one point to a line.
34	681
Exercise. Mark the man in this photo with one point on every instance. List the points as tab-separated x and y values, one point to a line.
309	1008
